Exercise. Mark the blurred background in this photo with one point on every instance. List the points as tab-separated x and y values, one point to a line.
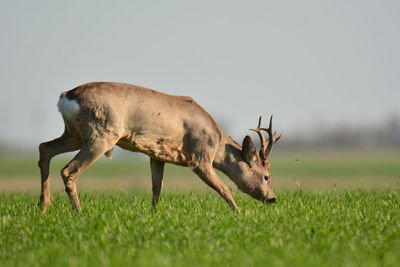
328	71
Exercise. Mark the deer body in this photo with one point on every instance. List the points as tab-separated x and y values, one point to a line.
170	129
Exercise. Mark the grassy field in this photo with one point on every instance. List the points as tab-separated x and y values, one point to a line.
357	228
332	209
296	170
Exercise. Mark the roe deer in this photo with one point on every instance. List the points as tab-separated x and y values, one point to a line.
172	129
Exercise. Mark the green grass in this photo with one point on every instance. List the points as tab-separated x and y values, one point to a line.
338	164
354	228
318	226
28	167
299	164
317	171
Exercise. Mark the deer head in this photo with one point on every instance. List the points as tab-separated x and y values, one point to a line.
259	186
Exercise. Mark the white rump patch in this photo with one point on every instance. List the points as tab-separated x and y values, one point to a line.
68	108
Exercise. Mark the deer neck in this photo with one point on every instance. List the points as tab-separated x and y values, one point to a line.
229	159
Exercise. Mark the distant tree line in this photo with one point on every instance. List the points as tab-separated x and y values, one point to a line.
349	136
383	135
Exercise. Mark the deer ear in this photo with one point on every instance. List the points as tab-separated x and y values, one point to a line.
249	151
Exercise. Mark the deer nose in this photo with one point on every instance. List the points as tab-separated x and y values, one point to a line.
271	198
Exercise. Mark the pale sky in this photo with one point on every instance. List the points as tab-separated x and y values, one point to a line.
303	61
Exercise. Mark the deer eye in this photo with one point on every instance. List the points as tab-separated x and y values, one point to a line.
266	178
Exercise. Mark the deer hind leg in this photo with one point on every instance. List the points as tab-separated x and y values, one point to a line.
88	154
47	151
157	172
208	175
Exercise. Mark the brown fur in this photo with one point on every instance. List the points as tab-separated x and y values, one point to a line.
172	129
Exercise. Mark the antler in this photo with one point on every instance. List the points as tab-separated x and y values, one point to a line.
258	131
265	150
271	140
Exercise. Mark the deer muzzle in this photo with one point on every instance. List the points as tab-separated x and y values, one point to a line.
271	197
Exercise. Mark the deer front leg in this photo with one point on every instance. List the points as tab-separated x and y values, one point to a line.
157	172
89	153
47	151
208	175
